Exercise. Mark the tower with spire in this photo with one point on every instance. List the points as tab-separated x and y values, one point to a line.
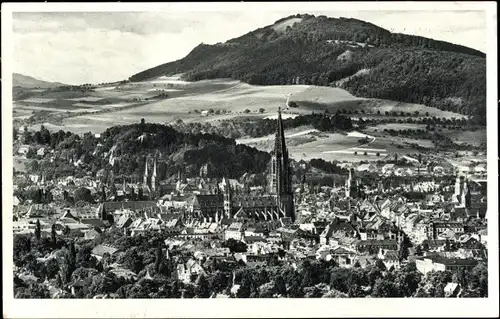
281	173
146	175
154	177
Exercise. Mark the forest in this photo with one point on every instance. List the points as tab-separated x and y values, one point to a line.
321	51
124	150
257	127
154	269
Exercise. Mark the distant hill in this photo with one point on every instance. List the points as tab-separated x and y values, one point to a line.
370	61
28	82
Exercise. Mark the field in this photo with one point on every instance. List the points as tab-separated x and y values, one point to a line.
306	143
108	106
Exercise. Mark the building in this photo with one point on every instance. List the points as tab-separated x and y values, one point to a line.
437	263
278	204
439	227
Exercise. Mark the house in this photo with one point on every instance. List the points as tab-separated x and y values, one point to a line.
438	170
343	257
123	221
40	151
389	257
336	230
188	271
451	290
373	246
483	236
23	149
403	171
101	250
439	227
370	168
23	227
74	229
93	233
234	231
388	169
480	169
439	263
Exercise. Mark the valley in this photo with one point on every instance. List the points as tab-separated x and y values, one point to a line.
222	100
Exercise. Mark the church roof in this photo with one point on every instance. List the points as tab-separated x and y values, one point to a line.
254	201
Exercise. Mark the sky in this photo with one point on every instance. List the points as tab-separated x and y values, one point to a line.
95	47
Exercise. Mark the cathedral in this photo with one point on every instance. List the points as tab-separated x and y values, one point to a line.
277	204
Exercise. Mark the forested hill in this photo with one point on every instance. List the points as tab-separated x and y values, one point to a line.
304	49
124	150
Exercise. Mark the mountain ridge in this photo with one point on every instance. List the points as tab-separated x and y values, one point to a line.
29	82
305	49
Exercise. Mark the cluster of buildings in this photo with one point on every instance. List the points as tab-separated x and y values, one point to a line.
444	229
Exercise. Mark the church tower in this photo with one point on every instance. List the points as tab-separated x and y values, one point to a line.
282	176
348	185
228	194
146	175
154	178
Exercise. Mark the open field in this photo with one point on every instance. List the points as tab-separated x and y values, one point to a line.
395	126
306	143
118	105
233	99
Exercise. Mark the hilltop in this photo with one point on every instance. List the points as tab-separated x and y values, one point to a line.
362	58
28	82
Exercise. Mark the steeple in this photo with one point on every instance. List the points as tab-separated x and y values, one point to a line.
283	181
281	175
154	177
145	181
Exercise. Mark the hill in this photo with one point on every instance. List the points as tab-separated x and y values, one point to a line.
366	60
28	82
123	150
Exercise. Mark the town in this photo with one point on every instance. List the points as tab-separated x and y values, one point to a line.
402	226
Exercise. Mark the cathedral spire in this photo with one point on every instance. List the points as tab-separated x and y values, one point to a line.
146	173
154	177
281	175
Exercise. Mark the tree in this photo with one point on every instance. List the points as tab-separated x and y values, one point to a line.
247	111
280	286
477	279
202	287
385	288
380	265
159	259
403	249
261	110
30	153
133	261
37	230
418	250
408	279
53	235
246	287
218	281
141	127
83	194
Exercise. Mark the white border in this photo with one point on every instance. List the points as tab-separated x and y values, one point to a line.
249	307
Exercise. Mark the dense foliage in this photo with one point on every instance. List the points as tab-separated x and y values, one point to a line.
257	127
155	274
321	51
123	150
